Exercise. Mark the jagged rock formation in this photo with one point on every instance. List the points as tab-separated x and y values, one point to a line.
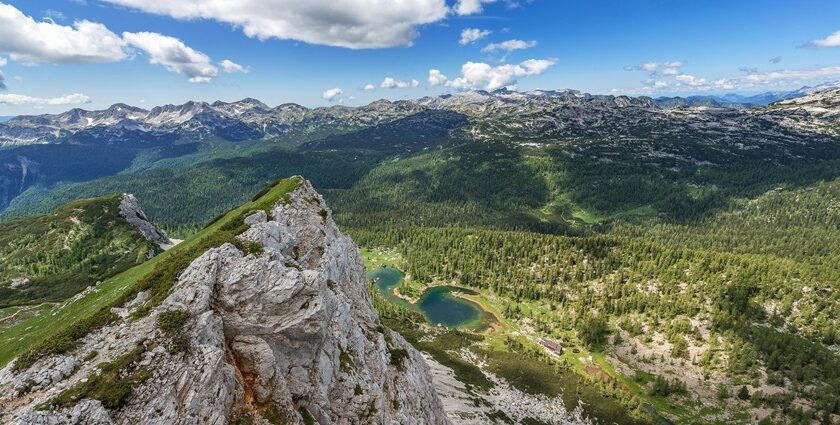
284	334
130	210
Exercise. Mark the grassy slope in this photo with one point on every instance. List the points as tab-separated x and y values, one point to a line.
23	336
67	250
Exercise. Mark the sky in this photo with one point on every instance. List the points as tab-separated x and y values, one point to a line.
56	55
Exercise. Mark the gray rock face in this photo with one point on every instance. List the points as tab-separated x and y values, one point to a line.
291	331
130	210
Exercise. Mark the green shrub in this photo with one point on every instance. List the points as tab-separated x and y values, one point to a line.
112	385
307	417
398	356
172	322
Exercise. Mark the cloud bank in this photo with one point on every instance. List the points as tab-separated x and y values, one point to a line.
22	100
354	24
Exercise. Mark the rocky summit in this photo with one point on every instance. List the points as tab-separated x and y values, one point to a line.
283	333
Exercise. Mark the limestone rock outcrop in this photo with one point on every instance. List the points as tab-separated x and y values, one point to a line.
130	210
285	334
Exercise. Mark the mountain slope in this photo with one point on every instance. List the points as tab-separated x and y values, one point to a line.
272	323
54	256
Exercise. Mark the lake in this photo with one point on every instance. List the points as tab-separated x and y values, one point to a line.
438	304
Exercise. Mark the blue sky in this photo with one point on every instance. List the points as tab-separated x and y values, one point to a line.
152	52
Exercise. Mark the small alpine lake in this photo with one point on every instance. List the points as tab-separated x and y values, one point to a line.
441	305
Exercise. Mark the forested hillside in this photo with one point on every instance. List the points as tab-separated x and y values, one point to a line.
54	256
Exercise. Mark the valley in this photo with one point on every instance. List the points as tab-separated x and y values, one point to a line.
683	258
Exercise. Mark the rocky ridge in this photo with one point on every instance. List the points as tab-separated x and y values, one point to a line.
285	333
130	210
505	113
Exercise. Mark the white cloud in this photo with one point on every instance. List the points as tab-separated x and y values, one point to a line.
54	15
355	24
477	75
3	62
657	68
470	7
22	100
509	45
174	55
390	83
231	67
2	77
27	40
369	87
471	35
787	78
436	78
332	94
833	40
767	78
691	80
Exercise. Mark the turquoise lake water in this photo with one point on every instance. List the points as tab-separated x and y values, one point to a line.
437	304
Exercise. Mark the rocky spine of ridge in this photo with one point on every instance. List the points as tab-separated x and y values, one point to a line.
284	334
130	210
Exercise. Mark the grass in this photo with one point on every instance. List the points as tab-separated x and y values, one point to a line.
58	330
378	257
112	385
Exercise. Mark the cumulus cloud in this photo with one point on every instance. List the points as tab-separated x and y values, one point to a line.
22	100
832	40
30	41
436	78
369	87
332	94
471	35
391	83
691	80
477	75
509	45
657	68
231	67
355	24
470	7
173	55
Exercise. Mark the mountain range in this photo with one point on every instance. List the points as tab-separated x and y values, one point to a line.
37	151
